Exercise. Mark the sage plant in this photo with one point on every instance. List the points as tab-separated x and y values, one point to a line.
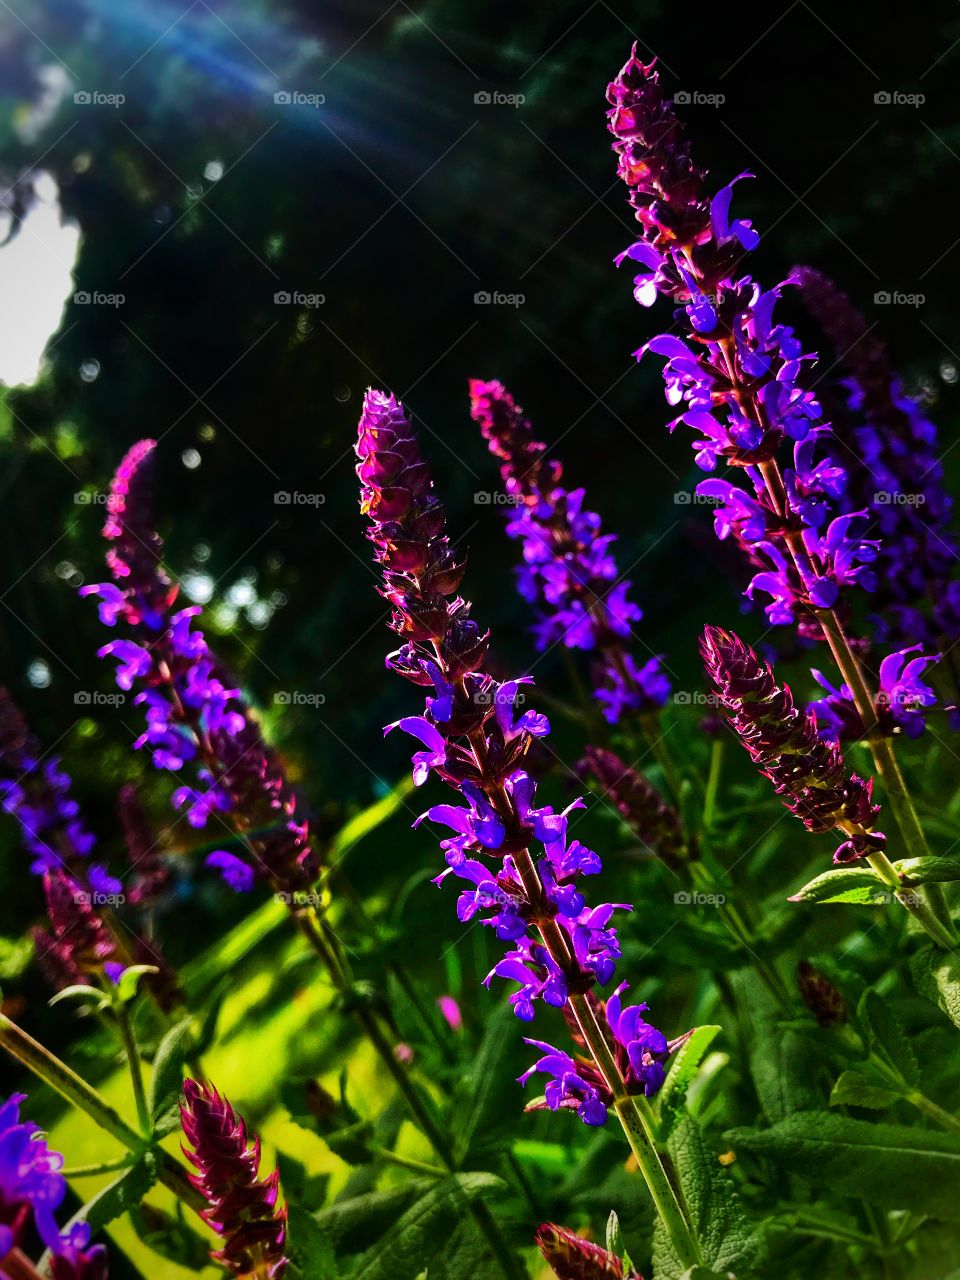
568	570
241	1206
738	378
473	738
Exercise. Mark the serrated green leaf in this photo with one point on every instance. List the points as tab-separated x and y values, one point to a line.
889	1165
355	1222
685	1065
478	1114
887	1037
423	1230
309	1247
928	870
712	1205
937	976
846	884
785	1065
166	1079
854	1090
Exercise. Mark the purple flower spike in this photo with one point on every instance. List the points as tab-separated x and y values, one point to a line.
194	712
475	732
568	568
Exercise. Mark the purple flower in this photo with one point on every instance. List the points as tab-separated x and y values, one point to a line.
237	874
646	1048
901	705
195	714
568	569
566	1087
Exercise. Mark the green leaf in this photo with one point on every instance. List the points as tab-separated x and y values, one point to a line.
785	1065
424	1229
846	884
361	824
130	980
684	1067
352	1224
166	1079
116	1198
889	1165
309	1247
887	1037
714	1207
937	976
615	1242
928	870
855	1090
170	1236
478	1112
98	999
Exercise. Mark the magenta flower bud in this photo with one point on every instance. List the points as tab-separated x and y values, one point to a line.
808	773
639	803
571	1257
242	1205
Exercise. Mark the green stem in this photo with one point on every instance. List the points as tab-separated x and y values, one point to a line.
133	1062
913	900
932	1111
408	1162
713	783
94	1170
65	1081
315	932
810	1225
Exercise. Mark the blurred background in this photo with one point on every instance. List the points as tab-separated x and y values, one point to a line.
222	221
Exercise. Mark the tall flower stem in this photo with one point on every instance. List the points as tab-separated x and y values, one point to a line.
632	1112
318	936
65	1081
132	1055
926	904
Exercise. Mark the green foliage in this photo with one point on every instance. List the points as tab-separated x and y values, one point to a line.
163	1089
857	885
893	1166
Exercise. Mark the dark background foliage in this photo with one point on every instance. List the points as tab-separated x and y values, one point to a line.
399	199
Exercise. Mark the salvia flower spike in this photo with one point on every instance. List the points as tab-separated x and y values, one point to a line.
473	736
808	773
196	718
242	1206
738	377
32	1189
571	1257
568	570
